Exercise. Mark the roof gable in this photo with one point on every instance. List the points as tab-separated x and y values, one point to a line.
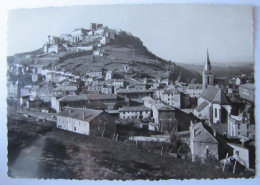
202	106
210	93
215	95
221	98
201	134
80	113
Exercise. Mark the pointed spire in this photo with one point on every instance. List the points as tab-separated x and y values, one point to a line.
207	63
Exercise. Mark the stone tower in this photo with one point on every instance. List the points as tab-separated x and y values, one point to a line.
207	75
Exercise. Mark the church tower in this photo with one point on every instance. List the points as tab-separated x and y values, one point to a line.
207	75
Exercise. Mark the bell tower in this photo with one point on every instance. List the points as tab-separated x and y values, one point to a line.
207	75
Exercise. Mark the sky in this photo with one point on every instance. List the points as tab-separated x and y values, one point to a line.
180	33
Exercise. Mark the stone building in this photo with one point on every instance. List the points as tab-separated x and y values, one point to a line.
195	90
213	106
171	97
247	92
202	143
139	112
241	126
78	120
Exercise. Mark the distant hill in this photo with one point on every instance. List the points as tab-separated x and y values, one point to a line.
228	70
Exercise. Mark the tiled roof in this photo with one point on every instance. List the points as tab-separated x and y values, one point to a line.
201	106
166	108
85	97
201	134
80	97
215	95
132	90
158	106
101	96
210	93
195	86
80	113
170	90
248	86
66	88
139	108
221	98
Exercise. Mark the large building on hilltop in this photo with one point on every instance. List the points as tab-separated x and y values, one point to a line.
207	75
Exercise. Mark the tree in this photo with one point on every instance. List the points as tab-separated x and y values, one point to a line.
171	127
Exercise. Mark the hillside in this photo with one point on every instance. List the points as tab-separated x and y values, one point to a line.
124	50
228	70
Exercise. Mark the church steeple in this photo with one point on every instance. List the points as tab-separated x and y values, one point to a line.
207	67
207	75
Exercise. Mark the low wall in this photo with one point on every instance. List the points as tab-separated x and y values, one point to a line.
157	138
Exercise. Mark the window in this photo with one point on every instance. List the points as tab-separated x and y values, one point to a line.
75	129
238	133
216	113
238	126
237	153
248	134
247	126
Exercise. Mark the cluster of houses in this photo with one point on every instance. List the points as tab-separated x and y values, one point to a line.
227	127
81	39
215	125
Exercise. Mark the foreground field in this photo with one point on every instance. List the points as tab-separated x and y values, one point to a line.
38	151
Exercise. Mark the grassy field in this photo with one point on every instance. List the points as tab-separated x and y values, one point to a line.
37	151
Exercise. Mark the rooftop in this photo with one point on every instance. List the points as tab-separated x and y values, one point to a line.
215	95
137	108
166	108
170	91
80	113
132	90
66	88
201	106
202	134
85	97
101	96
248	86
195	86
72	98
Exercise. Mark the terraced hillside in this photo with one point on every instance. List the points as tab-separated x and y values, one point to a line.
124	50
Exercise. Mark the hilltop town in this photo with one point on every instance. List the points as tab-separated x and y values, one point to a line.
103	83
